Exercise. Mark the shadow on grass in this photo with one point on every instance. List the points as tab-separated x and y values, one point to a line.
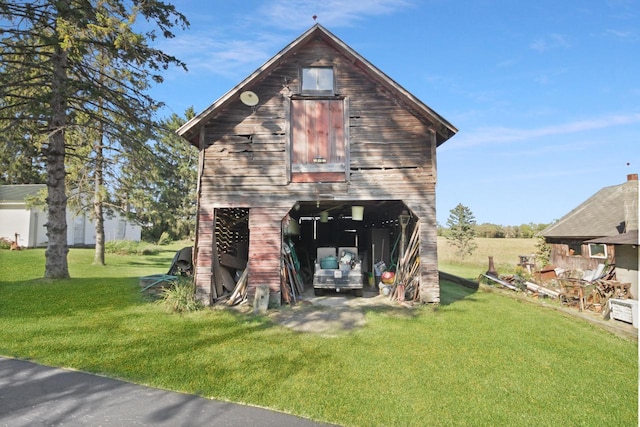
453	288
47	297
162	260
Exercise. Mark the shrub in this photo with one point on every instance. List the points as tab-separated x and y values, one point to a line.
148	250
180	296
5	243
129	247
543	251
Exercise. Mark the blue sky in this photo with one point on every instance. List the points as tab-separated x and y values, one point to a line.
545	93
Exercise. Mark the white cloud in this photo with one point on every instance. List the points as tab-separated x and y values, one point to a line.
622	35
550	42
333	13
502	135
222	53
234	51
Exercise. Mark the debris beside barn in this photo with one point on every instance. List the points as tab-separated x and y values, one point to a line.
590	290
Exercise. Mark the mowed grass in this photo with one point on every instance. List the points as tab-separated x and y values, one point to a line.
505	253
478	358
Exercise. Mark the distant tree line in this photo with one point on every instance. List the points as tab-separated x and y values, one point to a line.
496	231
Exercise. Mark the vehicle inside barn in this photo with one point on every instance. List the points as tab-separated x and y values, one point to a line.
346	246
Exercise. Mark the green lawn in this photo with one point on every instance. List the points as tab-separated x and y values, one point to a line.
479	358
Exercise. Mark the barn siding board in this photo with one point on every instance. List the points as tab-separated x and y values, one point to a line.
265	247
246	155
424	208
412	178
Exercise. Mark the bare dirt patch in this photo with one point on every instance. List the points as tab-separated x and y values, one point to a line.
331	314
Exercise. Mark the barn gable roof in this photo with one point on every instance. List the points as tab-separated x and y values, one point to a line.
443	128
603	214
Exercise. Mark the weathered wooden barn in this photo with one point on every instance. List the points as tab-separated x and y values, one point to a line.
286	155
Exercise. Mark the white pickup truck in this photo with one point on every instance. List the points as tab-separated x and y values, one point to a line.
338	270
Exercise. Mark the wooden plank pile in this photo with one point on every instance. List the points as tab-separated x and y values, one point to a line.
594	293
230	291
291	283
511	282
604	290
239	294
407	277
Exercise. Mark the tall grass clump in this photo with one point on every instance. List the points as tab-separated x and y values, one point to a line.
180	296
129	247
164	239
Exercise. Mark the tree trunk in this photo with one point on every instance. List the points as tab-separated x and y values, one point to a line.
98	257
56	266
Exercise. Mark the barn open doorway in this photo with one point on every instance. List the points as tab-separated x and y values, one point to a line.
342	244
229	250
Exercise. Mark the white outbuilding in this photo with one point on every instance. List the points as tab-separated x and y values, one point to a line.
19	220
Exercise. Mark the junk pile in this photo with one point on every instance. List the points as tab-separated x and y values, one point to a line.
585	290
337	269
181	265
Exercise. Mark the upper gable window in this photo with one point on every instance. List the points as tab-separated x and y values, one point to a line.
317	81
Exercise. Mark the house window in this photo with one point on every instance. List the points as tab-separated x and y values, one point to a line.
318	142
597	250
317	81
575	249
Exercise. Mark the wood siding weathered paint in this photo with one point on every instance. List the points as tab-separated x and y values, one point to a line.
561	258
202	254
390	152
265	249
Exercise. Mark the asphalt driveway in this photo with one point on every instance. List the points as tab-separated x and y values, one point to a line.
32	394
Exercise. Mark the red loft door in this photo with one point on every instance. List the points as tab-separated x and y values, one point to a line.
318	142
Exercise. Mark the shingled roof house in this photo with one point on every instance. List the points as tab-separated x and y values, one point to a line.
601	230
296	145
